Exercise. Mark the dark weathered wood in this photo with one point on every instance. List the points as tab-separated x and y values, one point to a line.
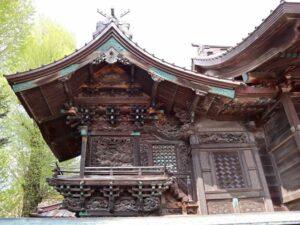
141	111
193	106
154	92
199	183
172	100
46	101
84	132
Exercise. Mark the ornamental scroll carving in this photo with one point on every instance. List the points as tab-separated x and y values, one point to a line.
111	151
252	205
126	204
73	204
151	204
97	203
222	137
220	207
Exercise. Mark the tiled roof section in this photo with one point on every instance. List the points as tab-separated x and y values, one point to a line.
283	9
53	211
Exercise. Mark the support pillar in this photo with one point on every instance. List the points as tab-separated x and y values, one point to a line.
198	95
198	179
156	80
83	132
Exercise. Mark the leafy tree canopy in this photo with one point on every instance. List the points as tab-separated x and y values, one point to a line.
24	156
16	17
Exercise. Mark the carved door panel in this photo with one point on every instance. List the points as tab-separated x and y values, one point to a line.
112	151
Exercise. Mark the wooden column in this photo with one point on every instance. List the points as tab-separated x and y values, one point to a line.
198	178
201	199
198	94
156	80
132	72
84	133
154	92
268	200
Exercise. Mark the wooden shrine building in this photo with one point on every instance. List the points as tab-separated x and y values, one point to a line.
157	139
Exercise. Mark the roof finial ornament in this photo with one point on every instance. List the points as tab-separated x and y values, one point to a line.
112	18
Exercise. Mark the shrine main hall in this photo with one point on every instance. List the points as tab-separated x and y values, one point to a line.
156	139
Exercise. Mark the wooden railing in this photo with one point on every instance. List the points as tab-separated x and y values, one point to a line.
113	171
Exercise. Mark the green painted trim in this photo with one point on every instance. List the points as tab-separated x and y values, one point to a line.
24	86
33	83
112	43
235	202
83	213
222	91
162	74
135	133
68	70
83	132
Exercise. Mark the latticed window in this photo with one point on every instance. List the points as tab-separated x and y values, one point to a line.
229	172
165	155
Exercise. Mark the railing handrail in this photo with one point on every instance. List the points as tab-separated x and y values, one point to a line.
125	167
111	171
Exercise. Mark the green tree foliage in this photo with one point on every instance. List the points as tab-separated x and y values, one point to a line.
15	21
47	42
25	158
3	110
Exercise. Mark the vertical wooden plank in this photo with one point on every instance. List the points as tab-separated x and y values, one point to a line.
172	100
268	201
154	93
83	133
46	101
289	110
193	107
199	182
136	151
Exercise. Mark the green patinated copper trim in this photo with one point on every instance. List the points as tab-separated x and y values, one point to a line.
162	74
34	83
68	70
83	132
112	42
222	91
24	86
135	133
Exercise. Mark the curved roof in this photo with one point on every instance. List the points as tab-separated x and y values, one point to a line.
278	32
112	36
44	91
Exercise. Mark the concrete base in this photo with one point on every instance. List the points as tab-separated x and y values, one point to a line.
274	218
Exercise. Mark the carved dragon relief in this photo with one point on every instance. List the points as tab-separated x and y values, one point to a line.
111	151
222	137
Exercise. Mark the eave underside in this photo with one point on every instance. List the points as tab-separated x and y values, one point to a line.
277	34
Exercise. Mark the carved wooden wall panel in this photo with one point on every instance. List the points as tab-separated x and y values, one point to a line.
239	206
282	127
251	205
229	175
296	103
165	155
287	159
220	207
277	128
111	151
144	154
228	170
